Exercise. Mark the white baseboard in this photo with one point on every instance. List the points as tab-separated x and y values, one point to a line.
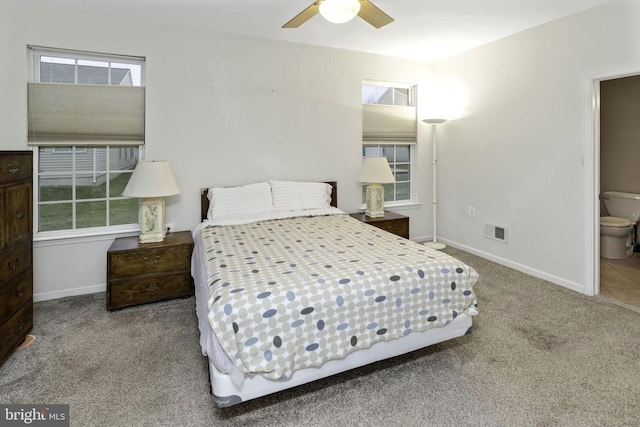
45	296
516	266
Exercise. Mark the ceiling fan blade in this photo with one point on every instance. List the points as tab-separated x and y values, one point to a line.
304	16
374	16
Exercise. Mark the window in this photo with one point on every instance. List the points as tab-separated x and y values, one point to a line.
86	121
399	158
382	94
82	188
389	130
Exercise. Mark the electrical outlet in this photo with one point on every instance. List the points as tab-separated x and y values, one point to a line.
472	211
168	227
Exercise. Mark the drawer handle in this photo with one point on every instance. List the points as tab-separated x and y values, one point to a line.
14	266
14	170
151	261
153	287
19	328
19	292
20	215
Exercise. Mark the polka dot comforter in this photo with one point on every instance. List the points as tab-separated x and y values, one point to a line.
295	293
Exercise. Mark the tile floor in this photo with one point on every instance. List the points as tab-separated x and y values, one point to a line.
620	279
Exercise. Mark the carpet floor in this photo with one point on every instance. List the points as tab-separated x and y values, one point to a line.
539	355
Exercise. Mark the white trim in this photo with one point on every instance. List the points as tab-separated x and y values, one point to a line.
514	265
401	206
591	164
89	236
46	296
383	83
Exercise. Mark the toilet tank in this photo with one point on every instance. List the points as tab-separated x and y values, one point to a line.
622	205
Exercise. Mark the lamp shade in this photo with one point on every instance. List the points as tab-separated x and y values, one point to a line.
376	170
339	11
152	179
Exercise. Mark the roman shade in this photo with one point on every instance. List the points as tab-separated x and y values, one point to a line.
388	124
61	113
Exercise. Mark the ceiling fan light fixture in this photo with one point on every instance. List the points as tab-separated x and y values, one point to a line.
339	11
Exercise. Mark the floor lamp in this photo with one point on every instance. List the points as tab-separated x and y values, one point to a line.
434	244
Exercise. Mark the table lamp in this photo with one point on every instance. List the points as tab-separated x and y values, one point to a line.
152	181
375	171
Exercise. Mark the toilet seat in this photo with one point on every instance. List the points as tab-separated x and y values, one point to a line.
612	221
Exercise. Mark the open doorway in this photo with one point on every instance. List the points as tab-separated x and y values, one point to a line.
616	155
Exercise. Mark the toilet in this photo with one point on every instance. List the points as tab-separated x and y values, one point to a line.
617	230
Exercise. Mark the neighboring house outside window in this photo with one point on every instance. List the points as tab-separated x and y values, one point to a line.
79	183
389	130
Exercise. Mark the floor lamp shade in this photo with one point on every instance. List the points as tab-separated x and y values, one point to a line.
152	181
434	244
375	171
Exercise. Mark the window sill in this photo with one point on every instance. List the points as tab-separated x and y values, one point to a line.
55	238
398	206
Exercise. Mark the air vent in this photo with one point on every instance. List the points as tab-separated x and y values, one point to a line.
496	232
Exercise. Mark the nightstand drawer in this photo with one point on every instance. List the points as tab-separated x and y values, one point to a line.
15	293
15	261
399	227
152	260
15	329
391	222
127	292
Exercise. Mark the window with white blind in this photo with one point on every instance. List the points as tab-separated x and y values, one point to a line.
86	123
389	129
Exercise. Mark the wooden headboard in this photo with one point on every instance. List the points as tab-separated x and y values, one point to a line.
204	200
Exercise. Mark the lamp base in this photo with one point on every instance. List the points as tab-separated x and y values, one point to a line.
152	220
375	201
435	245
151	237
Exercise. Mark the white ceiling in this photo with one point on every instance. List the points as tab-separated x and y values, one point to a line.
423	29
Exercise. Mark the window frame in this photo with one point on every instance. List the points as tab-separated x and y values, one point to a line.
412	97
412	191
74	147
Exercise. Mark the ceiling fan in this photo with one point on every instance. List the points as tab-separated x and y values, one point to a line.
339	11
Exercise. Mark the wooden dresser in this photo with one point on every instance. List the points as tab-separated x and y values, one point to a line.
139	273
16	238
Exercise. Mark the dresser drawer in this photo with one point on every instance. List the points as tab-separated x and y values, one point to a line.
15	293
13	332
152	260
140	290
16	166
16	214
15	261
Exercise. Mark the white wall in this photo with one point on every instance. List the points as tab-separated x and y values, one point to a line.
229	110
224	110
520	153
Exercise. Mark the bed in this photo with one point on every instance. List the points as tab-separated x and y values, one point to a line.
290	289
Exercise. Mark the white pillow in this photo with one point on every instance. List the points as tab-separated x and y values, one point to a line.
295	196
245	200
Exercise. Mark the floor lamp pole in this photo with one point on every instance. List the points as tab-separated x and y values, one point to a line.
434	244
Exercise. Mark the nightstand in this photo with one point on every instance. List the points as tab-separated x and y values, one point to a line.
138	273
391	222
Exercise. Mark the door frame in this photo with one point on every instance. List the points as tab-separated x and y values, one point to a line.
592	171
